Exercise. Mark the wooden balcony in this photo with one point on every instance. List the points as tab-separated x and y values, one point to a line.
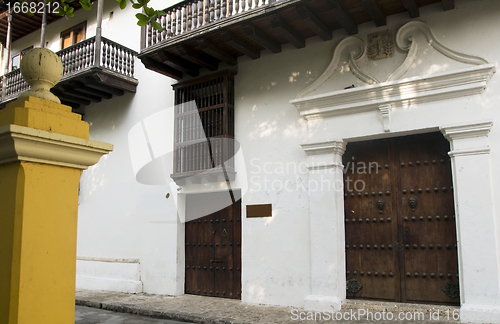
90	74
203	33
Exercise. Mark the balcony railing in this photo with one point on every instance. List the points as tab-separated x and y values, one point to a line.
195	15
78	59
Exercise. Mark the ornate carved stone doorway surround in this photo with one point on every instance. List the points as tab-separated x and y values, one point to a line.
442	95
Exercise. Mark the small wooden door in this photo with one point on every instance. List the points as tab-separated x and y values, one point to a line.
399	218
213	254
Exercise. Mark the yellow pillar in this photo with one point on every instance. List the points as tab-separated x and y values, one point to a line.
43	149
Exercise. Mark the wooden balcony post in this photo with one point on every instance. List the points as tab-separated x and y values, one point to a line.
98	33
44	25
7	63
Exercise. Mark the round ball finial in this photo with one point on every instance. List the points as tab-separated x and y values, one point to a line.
42	69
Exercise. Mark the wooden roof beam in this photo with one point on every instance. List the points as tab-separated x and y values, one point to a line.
178	63
91	91
412	8
448	4
161	68
287	31
77	94
313	23
342	17
217	52
69	98
261	38
198	58
240	45
375	12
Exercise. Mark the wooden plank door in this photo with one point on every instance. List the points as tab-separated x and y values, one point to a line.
371	222
213	254
429	230
400	225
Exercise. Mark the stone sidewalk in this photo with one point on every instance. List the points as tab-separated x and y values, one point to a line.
197	309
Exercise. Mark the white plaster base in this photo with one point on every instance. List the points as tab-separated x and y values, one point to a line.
319	303
479	314
108	284
108	275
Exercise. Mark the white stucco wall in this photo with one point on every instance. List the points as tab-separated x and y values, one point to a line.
120	218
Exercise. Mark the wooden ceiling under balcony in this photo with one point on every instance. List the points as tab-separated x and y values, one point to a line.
279	23
22	23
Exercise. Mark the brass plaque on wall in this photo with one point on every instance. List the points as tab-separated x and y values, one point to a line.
264	210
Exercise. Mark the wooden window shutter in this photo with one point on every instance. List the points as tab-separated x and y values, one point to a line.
204	125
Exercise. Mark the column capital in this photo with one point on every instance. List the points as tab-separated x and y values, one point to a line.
336	146
19	143
466	130
324	155
468	138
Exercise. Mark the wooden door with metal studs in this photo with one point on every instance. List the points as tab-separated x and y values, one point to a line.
401	242
213	254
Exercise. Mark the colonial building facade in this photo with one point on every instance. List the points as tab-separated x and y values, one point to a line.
293	153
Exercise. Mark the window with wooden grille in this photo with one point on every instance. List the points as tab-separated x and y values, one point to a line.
204	126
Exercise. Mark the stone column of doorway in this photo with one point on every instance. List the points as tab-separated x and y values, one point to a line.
478	248
326	206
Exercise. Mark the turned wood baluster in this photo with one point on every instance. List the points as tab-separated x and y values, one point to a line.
249	4
123	61
206	15
163	20
85	55
73	61
243	5
200	13
128	62
131	64
109	56
12	84
92	54
184	19
223	11
119	55
194	15
217	10
211	10
16	84
63	60
255	3
229	8
188	14
150	34
155	34
168	26
104	54
236	6
179	21
114	59
174	22
80	58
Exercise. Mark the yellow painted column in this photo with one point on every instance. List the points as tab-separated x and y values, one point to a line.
43	149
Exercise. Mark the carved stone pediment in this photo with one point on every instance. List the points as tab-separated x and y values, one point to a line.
352	56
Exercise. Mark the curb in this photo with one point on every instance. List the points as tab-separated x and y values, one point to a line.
177	316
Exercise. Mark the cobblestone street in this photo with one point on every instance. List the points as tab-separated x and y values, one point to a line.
87	315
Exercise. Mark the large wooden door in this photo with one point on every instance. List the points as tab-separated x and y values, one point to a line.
213	254
399	218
